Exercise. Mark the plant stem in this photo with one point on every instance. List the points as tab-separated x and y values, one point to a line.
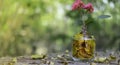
84	27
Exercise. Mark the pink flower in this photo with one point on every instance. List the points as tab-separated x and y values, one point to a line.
77	5
89	7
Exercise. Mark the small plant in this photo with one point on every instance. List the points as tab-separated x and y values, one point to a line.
83	43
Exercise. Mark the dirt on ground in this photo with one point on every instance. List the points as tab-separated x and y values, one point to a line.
101	58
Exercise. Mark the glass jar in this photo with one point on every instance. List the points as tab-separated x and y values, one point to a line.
83	47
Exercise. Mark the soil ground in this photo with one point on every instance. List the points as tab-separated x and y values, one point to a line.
58	59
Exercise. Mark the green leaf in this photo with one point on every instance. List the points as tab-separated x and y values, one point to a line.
38	56
104	16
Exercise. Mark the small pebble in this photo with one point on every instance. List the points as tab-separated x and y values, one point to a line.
51	63
92	63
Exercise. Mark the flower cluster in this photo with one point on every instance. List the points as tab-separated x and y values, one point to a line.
78	4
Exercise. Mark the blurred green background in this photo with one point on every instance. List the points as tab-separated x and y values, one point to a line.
43	26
